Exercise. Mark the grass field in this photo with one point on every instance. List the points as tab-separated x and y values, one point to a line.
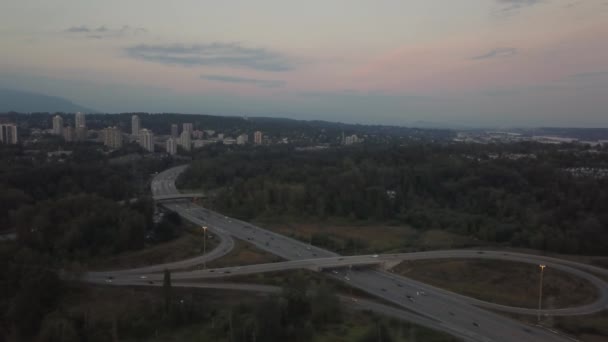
502	282
188	245
372	238
244	254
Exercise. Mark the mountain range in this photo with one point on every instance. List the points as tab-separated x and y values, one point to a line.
28	102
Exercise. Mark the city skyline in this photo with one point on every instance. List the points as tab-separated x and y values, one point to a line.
481	62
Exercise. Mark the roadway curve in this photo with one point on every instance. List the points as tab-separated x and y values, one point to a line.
334	263
440	309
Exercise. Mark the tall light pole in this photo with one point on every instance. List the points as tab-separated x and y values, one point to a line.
540	290
204	247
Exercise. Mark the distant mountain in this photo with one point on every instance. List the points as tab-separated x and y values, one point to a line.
26	102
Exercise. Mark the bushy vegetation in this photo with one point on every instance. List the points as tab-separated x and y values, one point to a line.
81	225
528	202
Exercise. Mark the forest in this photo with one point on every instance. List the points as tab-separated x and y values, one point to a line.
72	208
473	190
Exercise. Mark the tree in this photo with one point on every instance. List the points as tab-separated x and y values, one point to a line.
167	290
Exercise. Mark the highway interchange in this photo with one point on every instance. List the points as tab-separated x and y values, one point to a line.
461	316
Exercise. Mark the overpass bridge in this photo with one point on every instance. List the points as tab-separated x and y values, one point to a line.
178	196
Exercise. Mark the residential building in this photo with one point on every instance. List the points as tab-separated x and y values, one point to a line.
174	131
171	146
146	139
242	139
8	134
220	136
80	127
58	125
135	125
185	140
258	138
68	133
188	127
229	141
198	134
351	139
112	137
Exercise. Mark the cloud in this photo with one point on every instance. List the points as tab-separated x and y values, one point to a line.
497	53
584	76
251	81
102	32
214	54
78	29
513	6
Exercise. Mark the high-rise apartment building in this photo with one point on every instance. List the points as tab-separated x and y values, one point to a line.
146	139
258	138
135	125
171	146
8	134
80	127
174	131
68	133
188	127
185	140
58	125
112	137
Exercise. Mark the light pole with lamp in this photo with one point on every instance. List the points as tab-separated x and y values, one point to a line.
540	290
204	247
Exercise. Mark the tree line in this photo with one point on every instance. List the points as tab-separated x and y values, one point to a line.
474	190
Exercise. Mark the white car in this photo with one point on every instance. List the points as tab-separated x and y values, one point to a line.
143	277
375	256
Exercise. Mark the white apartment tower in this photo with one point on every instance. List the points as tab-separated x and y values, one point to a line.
185	140
135	125
8	134
146	140
171	146
58	125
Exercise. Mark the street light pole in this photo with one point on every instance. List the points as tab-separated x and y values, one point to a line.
540	290
204	247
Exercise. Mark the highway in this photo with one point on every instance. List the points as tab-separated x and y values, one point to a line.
439	309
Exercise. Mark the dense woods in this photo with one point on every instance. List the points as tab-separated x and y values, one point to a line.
480	191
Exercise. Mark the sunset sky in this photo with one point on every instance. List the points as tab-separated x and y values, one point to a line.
468	62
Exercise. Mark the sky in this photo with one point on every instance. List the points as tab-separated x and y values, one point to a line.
402	62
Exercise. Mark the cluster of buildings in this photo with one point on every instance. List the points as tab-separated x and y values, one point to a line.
188	139
489	137
78	132
350	139
113	137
